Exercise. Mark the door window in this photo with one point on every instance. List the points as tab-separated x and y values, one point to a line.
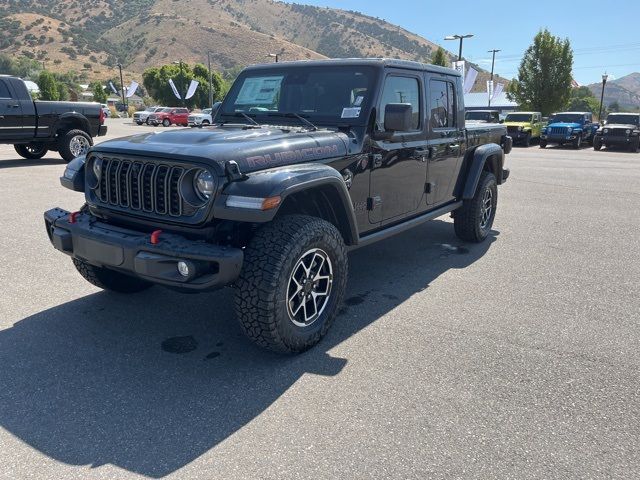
402	90
442	104
4	90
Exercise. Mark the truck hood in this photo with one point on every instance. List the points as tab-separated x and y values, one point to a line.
621	125
566	125
517	124
252	148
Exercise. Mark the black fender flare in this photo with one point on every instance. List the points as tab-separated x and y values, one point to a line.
480	156
284	182
73	117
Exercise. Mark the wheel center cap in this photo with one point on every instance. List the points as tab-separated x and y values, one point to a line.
308	287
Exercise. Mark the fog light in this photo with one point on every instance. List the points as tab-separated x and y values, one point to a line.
183	269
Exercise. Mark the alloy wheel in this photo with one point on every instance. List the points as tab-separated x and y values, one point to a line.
309	287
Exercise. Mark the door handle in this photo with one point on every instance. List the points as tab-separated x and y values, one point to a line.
1	117
455	146
14	106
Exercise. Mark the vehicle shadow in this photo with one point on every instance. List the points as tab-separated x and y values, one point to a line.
23	162
152	381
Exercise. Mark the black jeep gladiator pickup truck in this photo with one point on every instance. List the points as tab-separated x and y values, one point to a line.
304	160
34	127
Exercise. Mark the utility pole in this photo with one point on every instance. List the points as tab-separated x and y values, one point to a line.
493	62
181	84
122	88
210	80
604	82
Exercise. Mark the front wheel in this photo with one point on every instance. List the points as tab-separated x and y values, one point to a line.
109	279
139	123
166	122
527	140
543	144
473	221
292	283
597	144
74	143
577	143
31	151
634	146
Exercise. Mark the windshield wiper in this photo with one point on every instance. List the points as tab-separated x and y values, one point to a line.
293	115
240	114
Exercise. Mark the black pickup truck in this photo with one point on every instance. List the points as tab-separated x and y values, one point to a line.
304	161
34	127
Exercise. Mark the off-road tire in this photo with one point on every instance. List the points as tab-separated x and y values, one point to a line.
109	279
205	123
166	122
262	290
527	140
577	143
64	143
634	146
138	123
147	121
597	144
543	144
31	151
467	220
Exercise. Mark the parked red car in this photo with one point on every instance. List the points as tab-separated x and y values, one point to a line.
169	116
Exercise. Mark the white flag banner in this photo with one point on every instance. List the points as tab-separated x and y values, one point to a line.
113	88
175	90
459	66
499	88
192	89
131	89
470	80
490	89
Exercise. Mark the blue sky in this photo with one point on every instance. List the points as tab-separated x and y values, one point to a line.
603	37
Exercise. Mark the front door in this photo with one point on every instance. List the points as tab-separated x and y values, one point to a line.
10	113
399	164
446	138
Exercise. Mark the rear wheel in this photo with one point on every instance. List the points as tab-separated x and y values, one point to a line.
292	283
205	123
109	279
147	121
32	151
74	143
139	123
473	221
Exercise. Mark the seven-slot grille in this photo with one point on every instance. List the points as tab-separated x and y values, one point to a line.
618	132
558	130
512	130
142	186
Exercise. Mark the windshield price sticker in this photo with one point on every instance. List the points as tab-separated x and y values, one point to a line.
351	112
259	91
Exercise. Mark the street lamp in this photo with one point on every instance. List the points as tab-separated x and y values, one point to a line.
275	55
604	82
122	87
493	62
210	80
459	37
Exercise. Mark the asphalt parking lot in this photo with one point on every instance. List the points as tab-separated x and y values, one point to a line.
517	358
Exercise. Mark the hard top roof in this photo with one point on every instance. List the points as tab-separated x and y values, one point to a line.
374	62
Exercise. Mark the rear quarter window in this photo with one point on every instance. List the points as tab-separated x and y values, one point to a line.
4	90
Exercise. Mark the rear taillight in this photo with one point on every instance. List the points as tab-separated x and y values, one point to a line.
101	116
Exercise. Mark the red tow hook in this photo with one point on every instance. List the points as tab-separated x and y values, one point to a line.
73	216
155	237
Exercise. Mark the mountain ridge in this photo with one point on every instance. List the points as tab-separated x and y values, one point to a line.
624	90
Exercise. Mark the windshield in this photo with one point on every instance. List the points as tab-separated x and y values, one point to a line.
150	109
206	111
327	94
166	110
567	118
624	119
483	116
518	117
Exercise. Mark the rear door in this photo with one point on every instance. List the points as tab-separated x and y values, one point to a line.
445	135
11	117
399	164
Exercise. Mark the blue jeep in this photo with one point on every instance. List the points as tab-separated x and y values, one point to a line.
569	127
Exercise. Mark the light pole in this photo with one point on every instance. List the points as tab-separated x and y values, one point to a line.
461	38
210	80
604	82
275	55
122	88
493	62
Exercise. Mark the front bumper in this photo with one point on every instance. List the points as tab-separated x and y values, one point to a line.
559	138
131	252
617	139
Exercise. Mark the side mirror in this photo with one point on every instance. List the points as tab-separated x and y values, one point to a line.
398	117
501	120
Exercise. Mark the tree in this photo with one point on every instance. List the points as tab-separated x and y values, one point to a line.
156	82
583	100
48	86
614	106
544	77
99	93
439	57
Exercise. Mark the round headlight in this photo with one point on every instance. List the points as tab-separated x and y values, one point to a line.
606	130
97	167
520	129
628	132
204	184
570	129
